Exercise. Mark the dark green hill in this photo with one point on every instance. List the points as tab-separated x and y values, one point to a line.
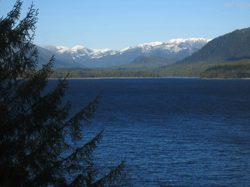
238	69
229	47
146	63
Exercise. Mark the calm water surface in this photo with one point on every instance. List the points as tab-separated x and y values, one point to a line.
189	132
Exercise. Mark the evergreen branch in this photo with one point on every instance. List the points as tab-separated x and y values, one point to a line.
111	178
86	113
42	71
86	148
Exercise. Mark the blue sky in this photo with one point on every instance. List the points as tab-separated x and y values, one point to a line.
116	24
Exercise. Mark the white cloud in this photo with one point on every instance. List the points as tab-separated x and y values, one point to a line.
243	4
240	4
229	4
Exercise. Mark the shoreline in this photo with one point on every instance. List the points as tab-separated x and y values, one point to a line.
151	78
113	78
224	78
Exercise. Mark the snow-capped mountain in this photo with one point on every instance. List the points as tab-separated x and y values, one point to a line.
174	45
176	48
80	51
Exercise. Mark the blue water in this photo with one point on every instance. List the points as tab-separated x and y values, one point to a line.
186	131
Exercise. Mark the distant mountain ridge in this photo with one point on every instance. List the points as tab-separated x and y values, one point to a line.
232	46
146	63
84	57
61	61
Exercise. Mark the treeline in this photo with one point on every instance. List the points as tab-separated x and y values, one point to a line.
146	63
238	69
102	73
180	70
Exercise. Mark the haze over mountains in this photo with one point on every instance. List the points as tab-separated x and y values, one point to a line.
80	56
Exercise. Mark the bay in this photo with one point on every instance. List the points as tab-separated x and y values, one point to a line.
186	131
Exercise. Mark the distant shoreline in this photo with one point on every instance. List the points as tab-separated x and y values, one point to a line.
113	78
225	78
146	78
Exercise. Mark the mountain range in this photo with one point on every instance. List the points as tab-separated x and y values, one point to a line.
80	56
174	58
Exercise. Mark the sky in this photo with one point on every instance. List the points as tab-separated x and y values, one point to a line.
117	24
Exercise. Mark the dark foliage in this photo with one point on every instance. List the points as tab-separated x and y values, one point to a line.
239	69
102	73
35	127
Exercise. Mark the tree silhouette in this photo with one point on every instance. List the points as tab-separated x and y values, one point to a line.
34	125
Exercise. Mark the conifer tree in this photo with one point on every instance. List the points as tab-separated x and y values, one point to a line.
33	124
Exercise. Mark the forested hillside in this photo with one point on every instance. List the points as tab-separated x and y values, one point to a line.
238	69
142	66
102	73
227	48
146	63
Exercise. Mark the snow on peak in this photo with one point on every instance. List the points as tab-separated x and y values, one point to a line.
150	44
174	45
146	47
101	50
76	48
125	49
62	49
169	45
98	53
181	40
